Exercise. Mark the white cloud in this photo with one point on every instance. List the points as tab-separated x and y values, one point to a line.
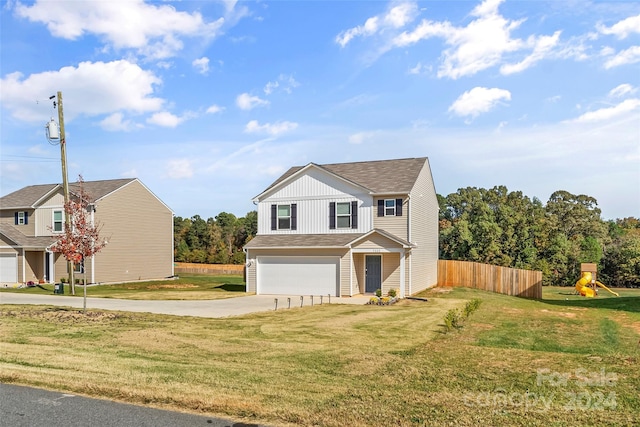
165	119
397	16
215	109
116	122
481	44
419	69
273	129
625	57
245	101
179	169
285	82
623	28
622	109
91	88
622	90
201	65
479	100
541	48
360	137
152	30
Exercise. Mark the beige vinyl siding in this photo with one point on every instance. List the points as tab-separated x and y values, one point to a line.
139	229
390	272
59	268
342	253
8	217
396	225
358	273
424	232
44	214
34	266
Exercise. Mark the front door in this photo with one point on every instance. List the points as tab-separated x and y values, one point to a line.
373	273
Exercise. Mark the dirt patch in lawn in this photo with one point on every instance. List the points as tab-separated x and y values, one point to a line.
170	286
560	313
61	315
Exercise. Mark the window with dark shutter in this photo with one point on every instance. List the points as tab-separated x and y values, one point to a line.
16	219
294	216
26	218
332	215
354	214
381	207
398	207
274	217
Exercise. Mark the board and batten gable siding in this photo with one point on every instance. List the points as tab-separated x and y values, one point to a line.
396	225
312	193
424	232
44	214
345	268
139	230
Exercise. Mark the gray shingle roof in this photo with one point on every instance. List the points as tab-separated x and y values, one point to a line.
381	176
302	240
28	196
27	242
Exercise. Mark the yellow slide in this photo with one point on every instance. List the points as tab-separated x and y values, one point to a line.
583	288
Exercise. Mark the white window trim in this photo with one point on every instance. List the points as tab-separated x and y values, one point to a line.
278	217
53	221
339	215
388	207
21	216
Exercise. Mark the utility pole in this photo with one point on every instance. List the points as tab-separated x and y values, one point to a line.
65	183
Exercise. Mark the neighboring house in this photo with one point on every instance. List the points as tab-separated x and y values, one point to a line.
136	224
346	229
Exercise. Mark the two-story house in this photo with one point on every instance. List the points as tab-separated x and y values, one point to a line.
137	225
346	229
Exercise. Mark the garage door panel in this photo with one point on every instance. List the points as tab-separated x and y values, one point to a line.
298	275
8	268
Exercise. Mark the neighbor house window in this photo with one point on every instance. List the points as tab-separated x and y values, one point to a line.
79	267
283	217
57	221
343	215
21	218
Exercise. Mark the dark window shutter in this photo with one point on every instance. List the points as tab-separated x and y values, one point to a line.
398	207
354	214
332	215
26	218
274	217
16	218
381	207
294	216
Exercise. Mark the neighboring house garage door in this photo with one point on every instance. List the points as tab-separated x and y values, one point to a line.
297	275
8	268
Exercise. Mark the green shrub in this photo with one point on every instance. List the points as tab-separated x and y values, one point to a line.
471	306
378	293
393	293
453	319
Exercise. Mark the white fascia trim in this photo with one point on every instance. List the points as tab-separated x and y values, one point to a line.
374	251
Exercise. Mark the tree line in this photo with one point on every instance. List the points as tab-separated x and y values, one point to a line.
493	226
496	226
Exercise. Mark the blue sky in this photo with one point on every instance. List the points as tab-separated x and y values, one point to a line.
208	102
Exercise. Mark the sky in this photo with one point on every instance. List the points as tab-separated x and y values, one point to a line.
208	102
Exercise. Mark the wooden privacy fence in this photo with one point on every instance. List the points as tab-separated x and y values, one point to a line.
194	268
502	280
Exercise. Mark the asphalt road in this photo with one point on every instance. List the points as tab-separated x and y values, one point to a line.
31	407
200	308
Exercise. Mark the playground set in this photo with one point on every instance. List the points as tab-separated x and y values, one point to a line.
587	286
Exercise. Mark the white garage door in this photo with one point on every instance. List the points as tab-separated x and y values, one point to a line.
8	268
297	275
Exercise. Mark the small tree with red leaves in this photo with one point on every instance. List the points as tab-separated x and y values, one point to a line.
80	238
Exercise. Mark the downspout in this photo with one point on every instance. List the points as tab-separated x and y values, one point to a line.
409	240
24	263
93	257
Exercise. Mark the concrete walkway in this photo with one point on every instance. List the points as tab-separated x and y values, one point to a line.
201	308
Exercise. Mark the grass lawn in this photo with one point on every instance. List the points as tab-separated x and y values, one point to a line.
565	360
187	287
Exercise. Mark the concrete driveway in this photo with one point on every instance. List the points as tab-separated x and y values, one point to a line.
203	308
